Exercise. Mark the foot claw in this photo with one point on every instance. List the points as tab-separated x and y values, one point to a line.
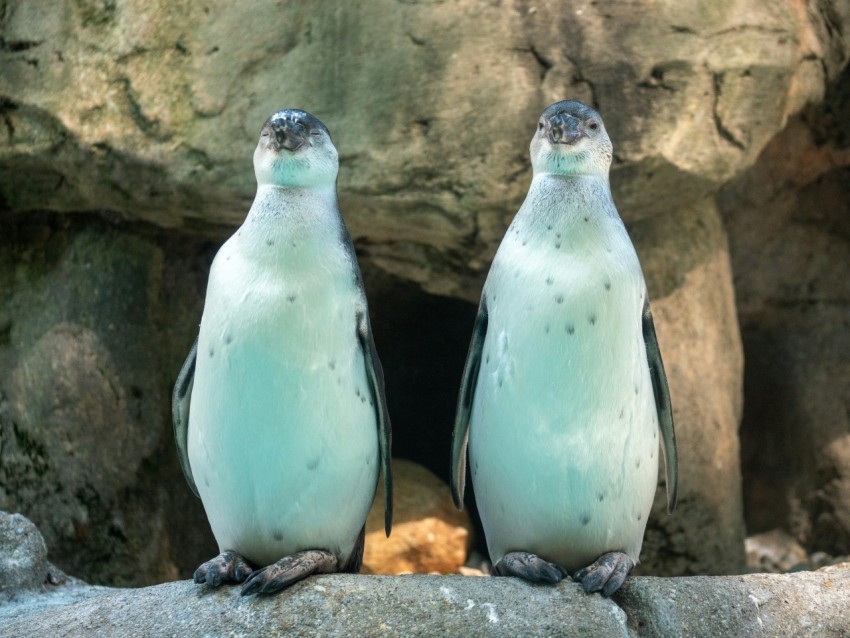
530	567
289	570
227	567
606	574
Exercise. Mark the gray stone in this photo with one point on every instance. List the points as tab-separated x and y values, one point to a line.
85	448
23	556
802	604
789	228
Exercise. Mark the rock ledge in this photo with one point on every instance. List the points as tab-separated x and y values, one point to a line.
805	603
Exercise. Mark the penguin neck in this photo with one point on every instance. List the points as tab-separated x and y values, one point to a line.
292	221
568	204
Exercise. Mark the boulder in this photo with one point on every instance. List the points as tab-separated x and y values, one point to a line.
429	534
23	556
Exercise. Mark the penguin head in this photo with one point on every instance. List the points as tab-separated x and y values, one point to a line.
295	149
571	140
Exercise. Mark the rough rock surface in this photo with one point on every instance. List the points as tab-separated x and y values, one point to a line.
150	110
802	604
85	447
789	227
168	99
23	556
429	534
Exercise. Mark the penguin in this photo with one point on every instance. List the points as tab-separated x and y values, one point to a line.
279	411
564	393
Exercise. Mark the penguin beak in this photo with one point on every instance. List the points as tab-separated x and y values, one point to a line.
563	129
287	135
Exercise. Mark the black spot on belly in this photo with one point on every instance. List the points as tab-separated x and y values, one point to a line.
607	285
270	241
587	219
637	462
549	281
571	329
312	465
558	245
212	352
357	391
558	235
636	389
332	364
278	536
549	227
592	320
600	496
559	299
622	412
487	359
290	298
585	519
639	516
228	339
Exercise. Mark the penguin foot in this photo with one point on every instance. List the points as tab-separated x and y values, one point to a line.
530	567
605	574
289	570
227	567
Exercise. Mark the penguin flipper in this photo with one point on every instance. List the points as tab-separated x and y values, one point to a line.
460	436
662	406
375	376
180	400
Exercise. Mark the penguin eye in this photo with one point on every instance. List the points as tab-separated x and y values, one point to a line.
594	126
540	126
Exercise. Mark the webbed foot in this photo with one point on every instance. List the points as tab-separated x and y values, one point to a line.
227	567
606	574
530	567
289	570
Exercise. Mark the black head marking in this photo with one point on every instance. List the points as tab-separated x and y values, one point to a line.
291	129
296	118
571	108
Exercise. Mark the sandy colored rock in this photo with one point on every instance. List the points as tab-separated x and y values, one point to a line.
429	534
789	227
689	280
168	99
